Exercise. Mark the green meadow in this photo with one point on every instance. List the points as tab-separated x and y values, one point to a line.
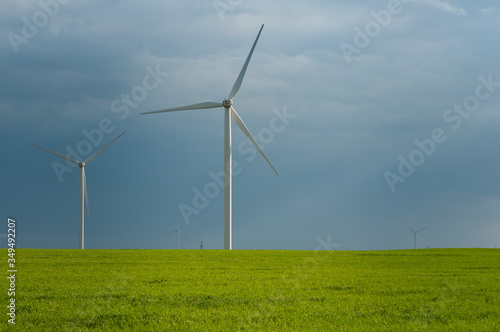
252	290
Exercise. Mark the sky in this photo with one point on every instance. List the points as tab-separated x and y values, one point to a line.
376	114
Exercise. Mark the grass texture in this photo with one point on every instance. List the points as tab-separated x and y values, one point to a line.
252	290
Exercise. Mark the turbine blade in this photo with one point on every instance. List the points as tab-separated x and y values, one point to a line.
85	190
92	157
245	130
237	84
423	229
409	227
58	154
208	104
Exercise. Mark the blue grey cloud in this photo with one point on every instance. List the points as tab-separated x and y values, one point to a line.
356	115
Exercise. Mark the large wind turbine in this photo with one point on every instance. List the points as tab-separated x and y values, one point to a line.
415	234
229	111
83	184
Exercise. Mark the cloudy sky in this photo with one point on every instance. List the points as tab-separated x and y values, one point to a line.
376	114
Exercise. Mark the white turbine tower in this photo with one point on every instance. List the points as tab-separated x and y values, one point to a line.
229	112
415	234
83	184
179	233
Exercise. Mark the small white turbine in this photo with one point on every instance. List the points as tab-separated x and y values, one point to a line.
83	184
229	112
415	234
179	233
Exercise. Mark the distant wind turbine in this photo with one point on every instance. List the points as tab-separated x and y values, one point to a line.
229	112
83	185
178	231
415	234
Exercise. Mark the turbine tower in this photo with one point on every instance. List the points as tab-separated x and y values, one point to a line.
415	235
229	111
178	231
83	186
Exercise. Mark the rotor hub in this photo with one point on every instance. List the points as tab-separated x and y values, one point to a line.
81	164
227	103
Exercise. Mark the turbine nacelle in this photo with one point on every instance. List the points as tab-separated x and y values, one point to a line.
81	164
227	103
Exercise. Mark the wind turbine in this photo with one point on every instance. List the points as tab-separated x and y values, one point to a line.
178	231
229	111
415	234
83	184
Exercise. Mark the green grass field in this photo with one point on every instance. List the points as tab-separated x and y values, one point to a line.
215	290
